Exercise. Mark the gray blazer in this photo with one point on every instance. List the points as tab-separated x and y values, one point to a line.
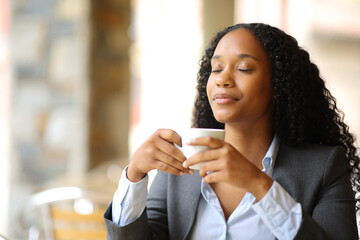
314	175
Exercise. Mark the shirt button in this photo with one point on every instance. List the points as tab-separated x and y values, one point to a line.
271	210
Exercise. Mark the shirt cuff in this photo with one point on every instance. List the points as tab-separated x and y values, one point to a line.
280	212
129	200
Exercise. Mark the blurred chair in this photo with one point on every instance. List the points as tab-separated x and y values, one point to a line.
65	213
2	237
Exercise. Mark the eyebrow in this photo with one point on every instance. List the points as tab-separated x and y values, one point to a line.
243	55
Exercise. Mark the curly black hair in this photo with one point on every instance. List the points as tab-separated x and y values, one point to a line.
304	109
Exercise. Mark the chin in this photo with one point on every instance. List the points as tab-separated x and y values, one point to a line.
222	119
225	115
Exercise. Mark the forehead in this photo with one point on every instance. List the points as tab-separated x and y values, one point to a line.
240	41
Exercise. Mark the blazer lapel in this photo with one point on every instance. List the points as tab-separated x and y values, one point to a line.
278	166
281	168
289	170
188	201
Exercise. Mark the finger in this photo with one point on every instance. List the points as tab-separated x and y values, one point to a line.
170	149
210	166
213	177
170	136
207	141
162	166
203	156
169	160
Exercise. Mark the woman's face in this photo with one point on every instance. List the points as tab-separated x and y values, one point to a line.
239	87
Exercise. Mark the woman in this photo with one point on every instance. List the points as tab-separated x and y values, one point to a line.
286	169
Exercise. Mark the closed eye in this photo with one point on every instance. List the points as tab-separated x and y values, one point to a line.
244	70
216	71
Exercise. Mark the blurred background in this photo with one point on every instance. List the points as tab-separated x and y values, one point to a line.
84	82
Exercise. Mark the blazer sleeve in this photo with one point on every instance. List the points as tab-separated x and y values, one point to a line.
144	228
333	214
135	230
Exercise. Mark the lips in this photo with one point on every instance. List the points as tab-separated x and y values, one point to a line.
224	99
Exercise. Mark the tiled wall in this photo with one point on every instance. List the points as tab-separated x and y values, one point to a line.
49	44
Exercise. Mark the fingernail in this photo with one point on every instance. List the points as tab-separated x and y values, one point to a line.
185	164
181	173
191	172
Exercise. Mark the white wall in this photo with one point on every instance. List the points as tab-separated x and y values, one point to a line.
4	132
165	58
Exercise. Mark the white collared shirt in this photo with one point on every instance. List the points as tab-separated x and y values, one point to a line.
275	215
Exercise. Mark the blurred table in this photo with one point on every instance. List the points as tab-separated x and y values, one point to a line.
104	177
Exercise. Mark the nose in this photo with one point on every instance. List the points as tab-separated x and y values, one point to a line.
225	80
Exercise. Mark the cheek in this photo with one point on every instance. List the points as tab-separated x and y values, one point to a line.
259	91
266	95
263	83
268	89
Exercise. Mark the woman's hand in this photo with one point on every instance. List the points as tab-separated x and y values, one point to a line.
223	163
158	152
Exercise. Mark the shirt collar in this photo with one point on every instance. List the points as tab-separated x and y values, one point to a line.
268	161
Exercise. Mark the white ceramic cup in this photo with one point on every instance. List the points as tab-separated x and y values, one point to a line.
193	133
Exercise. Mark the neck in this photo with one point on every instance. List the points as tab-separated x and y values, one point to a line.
252	142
